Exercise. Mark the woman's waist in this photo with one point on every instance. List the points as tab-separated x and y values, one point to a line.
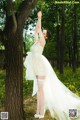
36	55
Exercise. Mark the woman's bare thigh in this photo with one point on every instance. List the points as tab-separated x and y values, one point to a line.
40	77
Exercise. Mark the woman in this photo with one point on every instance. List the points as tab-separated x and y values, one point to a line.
52	94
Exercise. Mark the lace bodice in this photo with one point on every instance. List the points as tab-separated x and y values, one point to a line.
36	49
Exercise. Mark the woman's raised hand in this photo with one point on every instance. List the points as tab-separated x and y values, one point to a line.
39	14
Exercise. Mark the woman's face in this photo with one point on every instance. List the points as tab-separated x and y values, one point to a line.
45	33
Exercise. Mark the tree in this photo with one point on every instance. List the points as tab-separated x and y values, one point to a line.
74	55
61	65
60	38
13	41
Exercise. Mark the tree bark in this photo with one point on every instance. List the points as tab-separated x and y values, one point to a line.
61	40
58	46
14	77
58	38
70	56
74	55
14	62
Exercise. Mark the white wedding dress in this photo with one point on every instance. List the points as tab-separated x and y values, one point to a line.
58	98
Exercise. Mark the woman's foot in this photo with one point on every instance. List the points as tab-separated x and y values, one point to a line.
41	116
36	115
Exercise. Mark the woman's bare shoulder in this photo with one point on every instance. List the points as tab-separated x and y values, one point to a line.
42	43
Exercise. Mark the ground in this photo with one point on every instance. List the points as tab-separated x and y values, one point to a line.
30	109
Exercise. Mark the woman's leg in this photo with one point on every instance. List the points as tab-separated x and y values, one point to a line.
40	95
38	101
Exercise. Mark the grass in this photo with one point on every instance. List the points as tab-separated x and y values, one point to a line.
30	108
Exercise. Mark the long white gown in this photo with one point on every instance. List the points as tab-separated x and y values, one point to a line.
59	100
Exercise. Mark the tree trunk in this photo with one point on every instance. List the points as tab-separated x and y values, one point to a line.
74	55
58	39
58	47
70	58
14	59
14	77
61	66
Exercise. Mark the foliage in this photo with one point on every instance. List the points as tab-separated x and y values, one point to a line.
2	87
2	15
71	79
49	50
27	86
28	41
1	46
17	4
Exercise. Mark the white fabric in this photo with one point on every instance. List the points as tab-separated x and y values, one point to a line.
30	72
58	98
38	63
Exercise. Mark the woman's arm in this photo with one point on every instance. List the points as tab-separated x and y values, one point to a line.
38	27
38	30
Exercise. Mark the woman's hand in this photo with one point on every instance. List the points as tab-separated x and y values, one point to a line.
39	14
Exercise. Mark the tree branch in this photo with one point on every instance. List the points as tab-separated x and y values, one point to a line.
13	16
24	10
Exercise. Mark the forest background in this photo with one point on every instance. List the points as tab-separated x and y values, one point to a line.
17	22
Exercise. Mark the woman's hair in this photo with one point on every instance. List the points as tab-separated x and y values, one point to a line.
48	32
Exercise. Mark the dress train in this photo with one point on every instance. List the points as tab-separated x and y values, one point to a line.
58	98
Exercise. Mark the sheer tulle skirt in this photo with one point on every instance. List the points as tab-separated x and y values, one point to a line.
58	98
